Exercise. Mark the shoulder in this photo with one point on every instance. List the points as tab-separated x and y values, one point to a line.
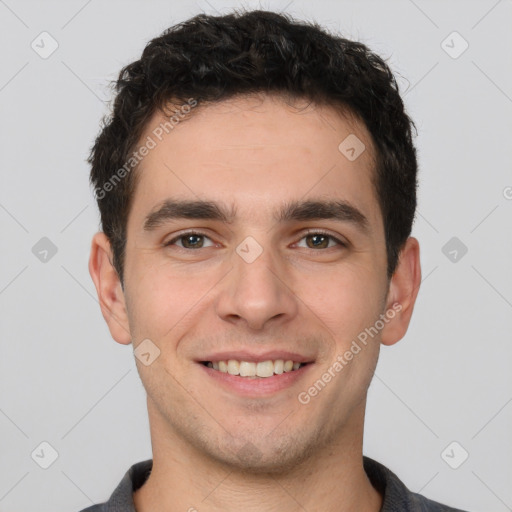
423	504
396	496
121	499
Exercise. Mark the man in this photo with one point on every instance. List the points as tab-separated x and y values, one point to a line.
257	188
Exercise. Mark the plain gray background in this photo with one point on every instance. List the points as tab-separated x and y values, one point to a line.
64	381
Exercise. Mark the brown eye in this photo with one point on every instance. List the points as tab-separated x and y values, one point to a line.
189	241
319	240
192	241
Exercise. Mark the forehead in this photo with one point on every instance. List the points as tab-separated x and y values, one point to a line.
255	152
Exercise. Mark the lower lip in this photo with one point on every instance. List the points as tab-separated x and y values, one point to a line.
258	386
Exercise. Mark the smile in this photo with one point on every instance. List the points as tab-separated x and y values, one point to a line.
261	369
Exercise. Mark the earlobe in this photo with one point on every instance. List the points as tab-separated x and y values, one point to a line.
109	290
403	290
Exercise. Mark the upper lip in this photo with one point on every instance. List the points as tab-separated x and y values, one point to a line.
253	357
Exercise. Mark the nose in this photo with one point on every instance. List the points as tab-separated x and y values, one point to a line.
257	293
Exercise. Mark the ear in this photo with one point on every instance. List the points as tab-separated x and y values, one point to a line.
108	287
402	293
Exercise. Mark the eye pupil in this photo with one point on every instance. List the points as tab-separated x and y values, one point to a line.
318	240
192	241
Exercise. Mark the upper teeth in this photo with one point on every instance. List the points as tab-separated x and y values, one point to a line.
248	369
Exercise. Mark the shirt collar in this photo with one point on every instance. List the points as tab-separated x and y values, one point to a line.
395	494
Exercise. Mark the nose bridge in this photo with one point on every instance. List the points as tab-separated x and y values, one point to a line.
256	290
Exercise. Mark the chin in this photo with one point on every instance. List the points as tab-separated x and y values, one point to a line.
264	457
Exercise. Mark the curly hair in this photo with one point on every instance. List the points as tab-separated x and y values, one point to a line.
214	58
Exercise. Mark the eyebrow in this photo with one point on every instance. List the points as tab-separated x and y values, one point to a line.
339	210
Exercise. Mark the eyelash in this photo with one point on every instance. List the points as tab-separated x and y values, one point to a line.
307	233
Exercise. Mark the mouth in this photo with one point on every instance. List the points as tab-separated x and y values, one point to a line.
253	374
255	369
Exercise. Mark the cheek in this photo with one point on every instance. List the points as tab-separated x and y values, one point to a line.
158	300
165	299
347	301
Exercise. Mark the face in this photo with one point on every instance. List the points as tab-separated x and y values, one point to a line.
253	241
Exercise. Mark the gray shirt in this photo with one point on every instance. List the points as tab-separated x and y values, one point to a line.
396	497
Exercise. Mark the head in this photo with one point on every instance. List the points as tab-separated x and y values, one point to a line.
211	59
286	155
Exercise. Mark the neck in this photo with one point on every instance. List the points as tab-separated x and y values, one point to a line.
184	479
